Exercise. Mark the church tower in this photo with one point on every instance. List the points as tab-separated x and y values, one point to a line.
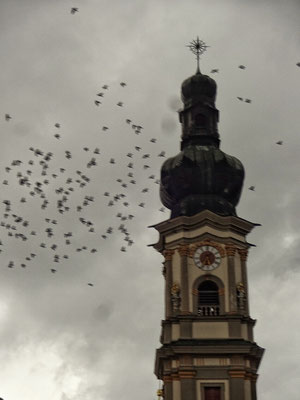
208	350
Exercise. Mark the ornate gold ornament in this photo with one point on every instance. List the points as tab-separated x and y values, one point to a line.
207	242
175	288
241	295
175	296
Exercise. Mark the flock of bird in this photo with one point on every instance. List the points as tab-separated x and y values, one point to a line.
62	189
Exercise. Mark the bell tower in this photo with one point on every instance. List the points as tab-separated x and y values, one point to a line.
208	350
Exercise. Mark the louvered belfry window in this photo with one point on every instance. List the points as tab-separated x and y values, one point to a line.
208	293
208	299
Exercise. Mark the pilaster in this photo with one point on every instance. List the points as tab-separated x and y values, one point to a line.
243	257
168	387
230	252
183	250
168	254
237	386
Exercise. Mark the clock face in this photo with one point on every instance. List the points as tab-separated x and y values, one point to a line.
207	258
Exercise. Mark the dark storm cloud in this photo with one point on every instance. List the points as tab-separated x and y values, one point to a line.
53	65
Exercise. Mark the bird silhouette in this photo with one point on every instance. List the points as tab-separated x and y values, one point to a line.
7	117
123	84
251	188
74	10
213	71
242	67
280	142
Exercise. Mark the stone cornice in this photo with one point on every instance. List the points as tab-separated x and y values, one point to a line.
206	217
236	225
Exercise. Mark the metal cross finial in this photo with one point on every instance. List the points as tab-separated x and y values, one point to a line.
197	47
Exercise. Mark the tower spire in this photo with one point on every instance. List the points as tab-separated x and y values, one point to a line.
197	47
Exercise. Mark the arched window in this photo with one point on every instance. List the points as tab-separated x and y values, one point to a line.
208	299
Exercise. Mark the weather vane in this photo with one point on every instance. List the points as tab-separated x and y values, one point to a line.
197	47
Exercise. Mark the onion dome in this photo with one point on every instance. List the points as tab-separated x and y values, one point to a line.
198	87
201	178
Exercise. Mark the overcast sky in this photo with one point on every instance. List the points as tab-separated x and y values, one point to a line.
60	338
